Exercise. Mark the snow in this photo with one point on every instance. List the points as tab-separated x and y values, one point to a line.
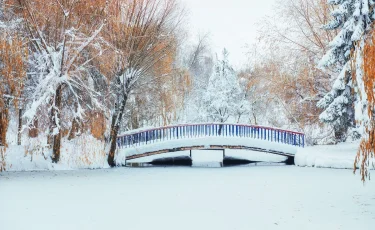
84	152
88	153
339	156
240	198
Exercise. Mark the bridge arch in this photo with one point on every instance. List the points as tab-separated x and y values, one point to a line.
147	142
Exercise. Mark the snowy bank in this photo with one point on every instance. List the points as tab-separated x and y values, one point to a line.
340	156
84	152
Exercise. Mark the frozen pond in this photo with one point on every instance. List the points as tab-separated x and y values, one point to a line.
260	197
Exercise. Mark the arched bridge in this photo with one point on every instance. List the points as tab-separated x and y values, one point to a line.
142	143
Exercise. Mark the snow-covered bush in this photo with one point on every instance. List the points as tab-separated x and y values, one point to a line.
224	98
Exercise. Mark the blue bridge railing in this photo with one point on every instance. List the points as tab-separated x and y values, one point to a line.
186	131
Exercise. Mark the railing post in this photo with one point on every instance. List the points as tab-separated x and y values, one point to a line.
299	140
303	140
278	135
265	133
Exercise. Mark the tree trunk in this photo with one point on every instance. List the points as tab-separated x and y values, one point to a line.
255	119
51	126
19	126
75	125
221	126
116	121
3	127
4	122
56	137
73	131
33	132
220	129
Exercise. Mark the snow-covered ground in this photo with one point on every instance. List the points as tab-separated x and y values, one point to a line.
84	152
266	197
339	156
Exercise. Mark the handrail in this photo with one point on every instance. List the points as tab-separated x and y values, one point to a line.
148	136
194	124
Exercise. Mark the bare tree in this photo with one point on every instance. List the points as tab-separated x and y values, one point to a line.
141	32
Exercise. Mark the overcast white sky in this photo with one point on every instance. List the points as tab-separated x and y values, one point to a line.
231	23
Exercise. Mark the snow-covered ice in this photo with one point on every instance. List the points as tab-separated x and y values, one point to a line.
260	197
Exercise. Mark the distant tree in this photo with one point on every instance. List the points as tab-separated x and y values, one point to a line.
224	98
285	65
197	58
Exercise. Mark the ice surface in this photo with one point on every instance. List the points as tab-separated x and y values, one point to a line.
185	198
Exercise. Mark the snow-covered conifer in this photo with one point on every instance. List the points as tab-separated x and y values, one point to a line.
353	19
224	98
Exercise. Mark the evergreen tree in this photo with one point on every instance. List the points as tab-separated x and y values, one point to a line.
224	98
353	18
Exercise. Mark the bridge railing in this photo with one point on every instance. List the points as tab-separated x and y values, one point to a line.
210	130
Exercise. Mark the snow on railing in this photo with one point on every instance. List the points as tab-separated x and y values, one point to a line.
185	131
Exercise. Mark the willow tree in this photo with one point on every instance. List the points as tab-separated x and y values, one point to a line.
12	68
363	65
142	33
61	33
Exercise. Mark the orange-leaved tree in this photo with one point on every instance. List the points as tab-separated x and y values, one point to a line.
13	54
138	31
366	153
61	34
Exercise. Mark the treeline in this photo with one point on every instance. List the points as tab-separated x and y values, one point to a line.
71	67
315	57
